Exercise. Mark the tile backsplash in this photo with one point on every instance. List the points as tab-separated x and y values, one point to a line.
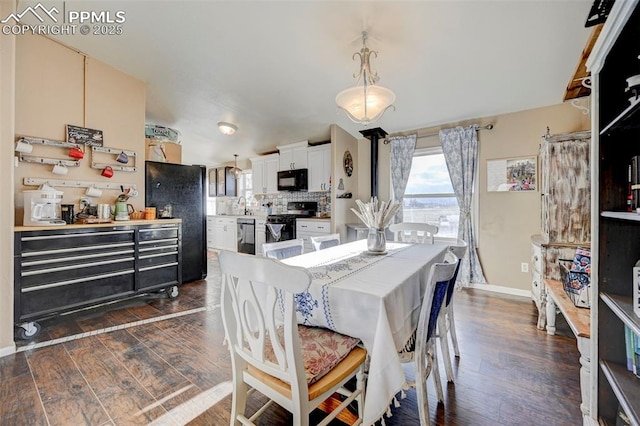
229	205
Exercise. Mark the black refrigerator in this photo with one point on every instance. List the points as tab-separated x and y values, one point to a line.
184	188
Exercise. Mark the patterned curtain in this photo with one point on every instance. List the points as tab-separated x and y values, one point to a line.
402	148
460	148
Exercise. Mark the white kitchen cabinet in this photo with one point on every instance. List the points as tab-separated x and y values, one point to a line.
211	232
225	232
261	235
293	156
264	170
307	228
319	165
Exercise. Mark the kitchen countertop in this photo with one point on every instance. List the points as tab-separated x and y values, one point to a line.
231	216
95	225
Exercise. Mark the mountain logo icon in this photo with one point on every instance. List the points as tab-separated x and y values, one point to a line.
34	11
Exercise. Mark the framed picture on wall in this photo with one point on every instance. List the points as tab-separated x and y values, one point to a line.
512	174
88	137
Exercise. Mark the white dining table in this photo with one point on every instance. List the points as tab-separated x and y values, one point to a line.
375	298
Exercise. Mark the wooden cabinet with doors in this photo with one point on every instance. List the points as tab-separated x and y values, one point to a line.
264	172
293	156
319	164
565	188
616	240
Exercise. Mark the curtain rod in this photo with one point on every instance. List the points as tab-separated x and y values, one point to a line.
428	135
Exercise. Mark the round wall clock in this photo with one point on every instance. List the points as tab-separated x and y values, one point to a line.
347	160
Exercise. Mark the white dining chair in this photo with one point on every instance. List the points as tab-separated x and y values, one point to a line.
446	320
295	366
283	249
421	349
414	232
325	241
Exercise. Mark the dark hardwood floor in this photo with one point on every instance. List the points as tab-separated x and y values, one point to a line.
176	370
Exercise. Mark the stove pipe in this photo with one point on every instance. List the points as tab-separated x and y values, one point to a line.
374	135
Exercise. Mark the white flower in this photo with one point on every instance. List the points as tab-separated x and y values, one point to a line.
376	215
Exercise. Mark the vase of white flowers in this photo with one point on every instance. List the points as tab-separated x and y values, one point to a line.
377	216
376	241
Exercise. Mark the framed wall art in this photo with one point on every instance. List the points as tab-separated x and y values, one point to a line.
512	174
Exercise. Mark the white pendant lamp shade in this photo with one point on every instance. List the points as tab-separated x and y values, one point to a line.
366	102
227	128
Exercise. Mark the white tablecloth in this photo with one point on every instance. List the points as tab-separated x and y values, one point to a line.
375	298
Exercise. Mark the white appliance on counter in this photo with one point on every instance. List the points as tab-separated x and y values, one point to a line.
42	207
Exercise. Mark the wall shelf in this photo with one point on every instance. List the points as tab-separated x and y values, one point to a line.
619	121
115	167
114	151
624	385
51	161
38	141
622	215
120	167
78	183
623	307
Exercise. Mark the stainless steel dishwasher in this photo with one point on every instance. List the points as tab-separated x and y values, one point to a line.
246	235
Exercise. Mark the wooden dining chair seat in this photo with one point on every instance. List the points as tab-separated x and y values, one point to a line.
322	242
295	366
413	232
283	249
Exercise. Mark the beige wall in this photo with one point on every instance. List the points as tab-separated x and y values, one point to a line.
506	219
56	86
7	118
341	213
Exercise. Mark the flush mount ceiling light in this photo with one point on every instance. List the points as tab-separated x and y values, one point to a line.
227	128
365	102
235	171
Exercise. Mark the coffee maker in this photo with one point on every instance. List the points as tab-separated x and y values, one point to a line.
42	207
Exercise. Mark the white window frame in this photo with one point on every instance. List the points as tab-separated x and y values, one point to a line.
435	150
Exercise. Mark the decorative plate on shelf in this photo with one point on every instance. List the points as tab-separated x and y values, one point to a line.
347	160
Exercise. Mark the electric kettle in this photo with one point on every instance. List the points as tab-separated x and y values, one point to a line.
123	210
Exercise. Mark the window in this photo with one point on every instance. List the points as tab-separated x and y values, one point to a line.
429	195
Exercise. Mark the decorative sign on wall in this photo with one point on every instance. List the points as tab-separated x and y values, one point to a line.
88	137
512	174
348	163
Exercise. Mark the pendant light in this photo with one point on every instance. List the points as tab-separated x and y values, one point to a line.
365	102
235	170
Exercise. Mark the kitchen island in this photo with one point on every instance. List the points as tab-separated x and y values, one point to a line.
63	268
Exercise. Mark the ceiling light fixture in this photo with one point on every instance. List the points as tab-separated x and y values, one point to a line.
365	102
235	170
227	128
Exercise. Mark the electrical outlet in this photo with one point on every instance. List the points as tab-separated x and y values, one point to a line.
524	267
84	202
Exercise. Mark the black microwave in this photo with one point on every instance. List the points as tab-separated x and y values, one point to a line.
293	180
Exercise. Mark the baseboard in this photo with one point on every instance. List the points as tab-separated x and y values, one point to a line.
8	350
501	289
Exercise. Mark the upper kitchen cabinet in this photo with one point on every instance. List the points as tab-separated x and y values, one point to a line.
319	164
293	156
264	170
226	185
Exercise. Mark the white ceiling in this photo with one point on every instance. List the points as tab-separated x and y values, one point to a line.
274	67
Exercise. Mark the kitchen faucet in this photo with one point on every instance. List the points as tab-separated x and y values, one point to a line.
245	203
